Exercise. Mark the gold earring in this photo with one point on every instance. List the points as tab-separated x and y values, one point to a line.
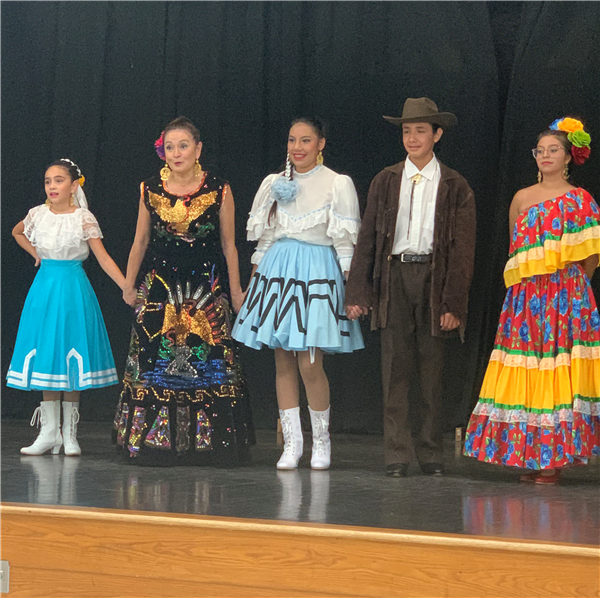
165	172
539	177
72	201
197	169
48	203
320	158
566	172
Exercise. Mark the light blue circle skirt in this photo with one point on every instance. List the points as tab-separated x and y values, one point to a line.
62	342
295	301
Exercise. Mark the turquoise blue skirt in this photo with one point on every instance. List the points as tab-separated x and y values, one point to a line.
62	342
295	302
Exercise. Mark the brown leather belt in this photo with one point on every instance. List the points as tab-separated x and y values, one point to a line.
412	258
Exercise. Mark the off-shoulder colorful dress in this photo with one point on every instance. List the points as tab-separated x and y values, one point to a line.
539	406
184	397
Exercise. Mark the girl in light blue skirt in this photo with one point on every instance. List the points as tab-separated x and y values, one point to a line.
306	221
62	346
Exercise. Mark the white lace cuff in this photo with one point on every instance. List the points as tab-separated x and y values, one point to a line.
257	256
345	261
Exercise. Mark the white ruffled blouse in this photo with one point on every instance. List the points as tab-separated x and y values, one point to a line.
61	236
325	212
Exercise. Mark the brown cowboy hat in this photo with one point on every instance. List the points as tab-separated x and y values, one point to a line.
423	110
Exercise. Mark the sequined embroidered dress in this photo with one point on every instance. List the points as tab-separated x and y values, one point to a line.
184	398
539	406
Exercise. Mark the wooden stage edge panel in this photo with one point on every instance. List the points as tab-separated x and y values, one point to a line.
99	553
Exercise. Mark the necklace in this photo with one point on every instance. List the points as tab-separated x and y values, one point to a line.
202	180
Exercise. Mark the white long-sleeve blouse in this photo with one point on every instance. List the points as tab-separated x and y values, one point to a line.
325	212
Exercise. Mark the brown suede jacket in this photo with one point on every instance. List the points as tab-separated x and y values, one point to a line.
453	249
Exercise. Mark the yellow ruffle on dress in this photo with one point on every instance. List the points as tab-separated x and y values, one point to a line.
539	405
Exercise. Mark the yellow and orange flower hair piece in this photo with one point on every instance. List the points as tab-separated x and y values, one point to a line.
580	140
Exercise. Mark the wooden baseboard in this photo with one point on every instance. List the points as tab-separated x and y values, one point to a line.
96	553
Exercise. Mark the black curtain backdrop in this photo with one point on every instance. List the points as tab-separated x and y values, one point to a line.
97	81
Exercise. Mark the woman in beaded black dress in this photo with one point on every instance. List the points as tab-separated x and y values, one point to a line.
184	398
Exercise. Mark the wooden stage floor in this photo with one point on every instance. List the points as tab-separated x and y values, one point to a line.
95	527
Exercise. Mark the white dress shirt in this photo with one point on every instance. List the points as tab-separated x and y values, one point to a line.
418	238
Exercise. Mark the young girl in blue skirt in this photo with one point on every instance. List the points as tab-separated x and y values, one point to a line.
306	221
62	347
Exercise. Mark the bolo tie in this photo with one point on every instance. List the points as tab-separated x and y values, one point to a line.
415	179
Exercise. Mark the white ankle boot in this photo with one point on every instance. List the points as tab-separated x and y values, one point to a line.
69	428
321	448
293	442
48	416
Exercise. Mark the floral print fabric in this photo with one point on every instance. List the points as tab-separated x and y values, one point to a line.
539	405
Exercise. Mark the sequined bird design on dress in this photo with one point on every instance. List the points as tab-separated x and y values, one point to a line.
183	392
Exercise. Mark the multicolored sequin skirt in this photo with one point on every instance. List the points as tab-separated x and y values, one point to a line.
62	343
296	302
184	399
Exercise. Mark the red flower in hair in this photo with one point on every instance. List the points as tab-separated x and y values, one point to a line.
160	147
580	154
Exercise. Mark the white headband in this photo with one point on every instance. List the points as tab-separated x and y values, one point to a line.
72	164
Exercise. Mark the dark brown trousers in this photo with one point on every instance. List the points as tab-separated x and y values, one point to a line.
408	350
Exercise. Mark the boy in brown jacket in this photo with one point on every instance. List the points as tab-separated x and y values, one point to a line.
412	269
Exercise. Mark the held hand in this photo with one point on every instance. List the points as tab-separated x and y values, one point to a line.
237	300
130	296
449	322
355	311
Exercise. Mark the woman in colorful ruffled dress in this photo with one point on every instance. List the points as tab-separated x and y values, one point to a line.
306	221
539	406
184	398
62	347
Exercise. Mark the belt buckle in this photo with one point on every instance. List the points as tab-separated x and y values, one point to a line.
404	256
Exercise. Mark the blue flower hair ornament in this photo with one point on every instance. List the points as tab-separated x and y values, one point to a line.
285	190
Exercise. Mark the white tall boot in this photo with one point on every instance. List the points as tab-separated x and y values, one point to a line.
321	448
69	428
293	442
48	416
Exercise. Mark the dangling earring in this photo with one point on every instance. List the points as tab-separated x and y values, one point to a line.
197	169
539	177
165	172
48	202
72	201
566	172
288	168
320	158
